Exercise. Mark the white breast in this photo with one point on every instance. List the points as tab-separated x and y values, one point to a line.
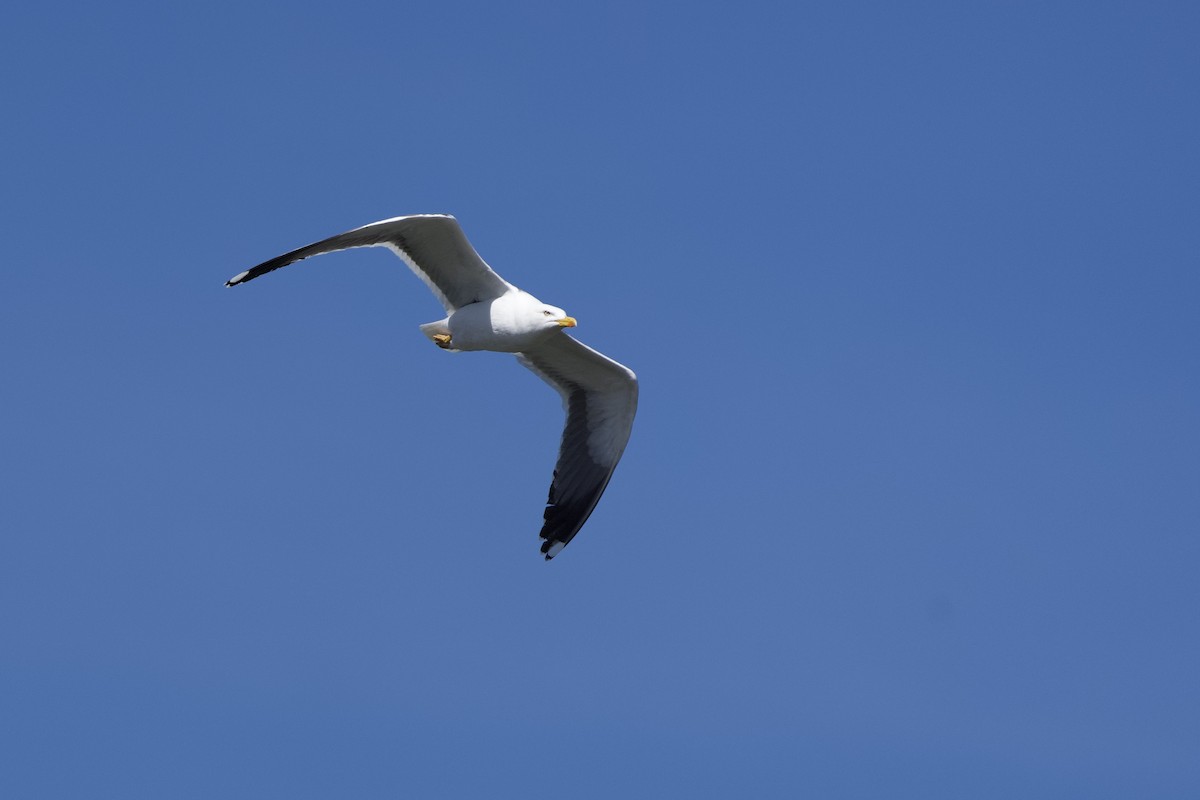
511	323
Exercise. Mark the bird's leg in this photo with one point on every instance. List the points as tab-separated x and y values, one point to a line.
442	340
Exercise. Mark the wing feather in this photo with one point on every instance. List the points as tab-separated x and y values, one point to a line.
432	245
600	399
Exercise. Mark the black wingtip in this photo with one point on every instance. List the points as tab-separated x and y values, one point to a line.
552	547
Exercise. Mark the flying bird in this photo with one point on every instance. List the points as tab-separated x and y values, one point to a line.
486	312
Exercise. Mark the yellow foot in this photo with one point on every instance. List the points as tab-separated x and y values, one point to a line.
442	340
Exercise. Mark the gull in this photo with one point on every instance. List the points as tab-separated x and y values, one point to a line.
486	312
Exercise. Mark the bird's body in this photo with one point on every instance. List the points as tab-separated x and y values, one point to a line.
511	323
485	312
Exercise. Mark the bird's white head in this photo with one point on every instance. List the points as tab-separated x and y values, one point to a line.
522	315
555	317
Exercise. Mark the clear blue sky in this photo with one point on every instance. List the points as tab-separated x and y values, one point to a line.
911	506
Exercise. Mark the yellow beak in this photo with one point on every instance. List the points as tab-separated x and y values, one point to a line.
567	322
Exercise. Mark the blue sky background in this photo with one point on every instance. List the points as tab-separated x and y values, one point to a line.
910	509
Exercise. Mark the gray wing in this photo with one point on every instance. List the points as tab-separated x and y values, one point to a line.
600	398
433	246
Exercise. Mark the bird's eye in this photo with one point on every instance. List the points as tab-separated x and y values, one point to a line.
548	313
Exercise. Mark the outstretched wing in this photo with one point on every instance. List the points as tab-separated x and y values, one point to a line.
433	246
600	398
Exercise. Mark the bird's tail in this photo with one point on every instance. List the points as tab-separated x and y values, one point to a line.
439	328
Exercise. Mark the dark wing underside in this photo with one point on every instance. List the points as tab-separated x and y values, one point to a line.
600	398
433	246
